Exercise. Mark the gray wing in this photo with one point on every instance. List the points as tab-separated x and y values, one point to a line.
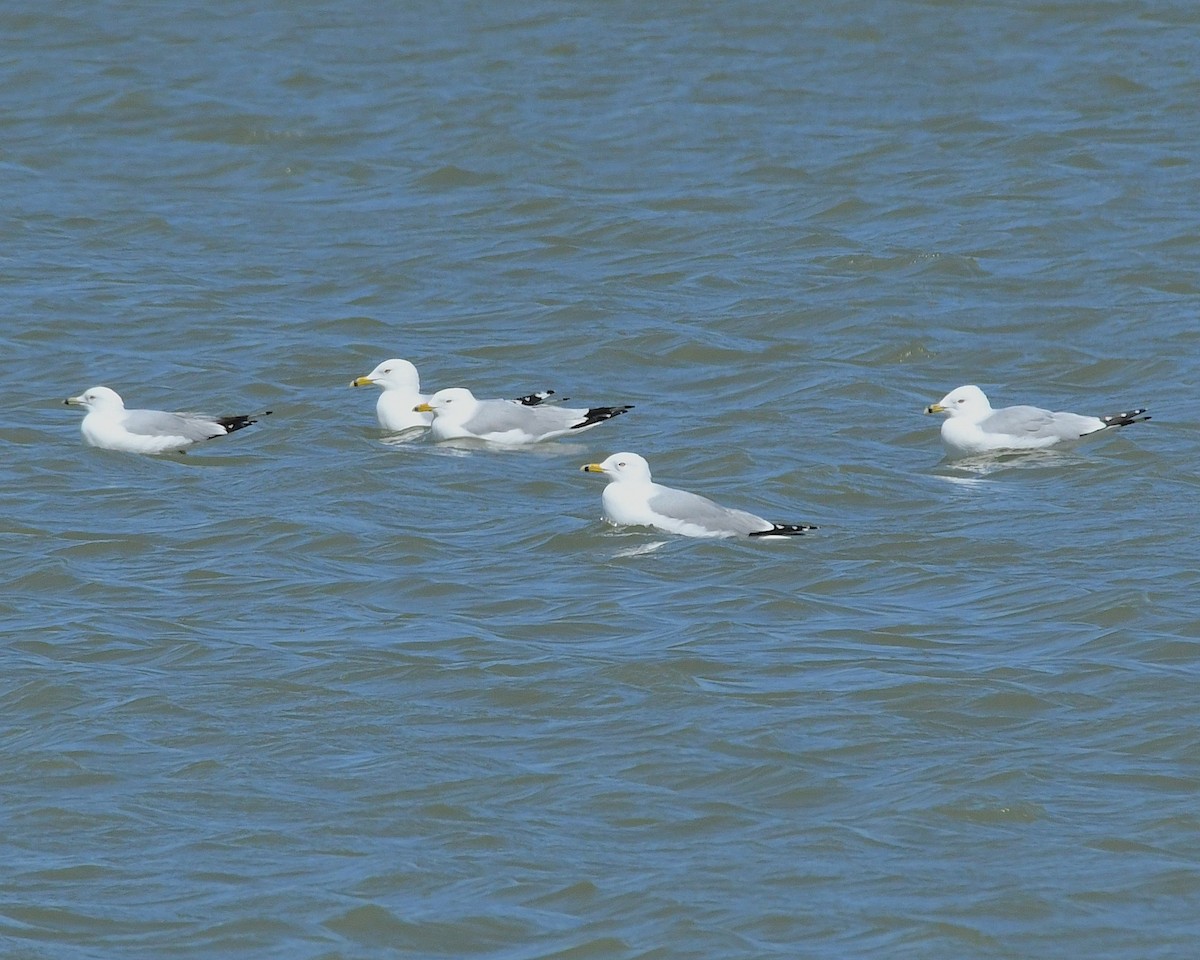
500	416
1036	423
693	508
159	423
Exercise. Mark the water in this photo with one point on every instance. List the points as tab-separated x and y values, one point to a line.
304	693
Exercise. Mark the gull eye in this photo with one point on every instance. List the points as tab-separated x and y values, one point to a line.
961	400
621	464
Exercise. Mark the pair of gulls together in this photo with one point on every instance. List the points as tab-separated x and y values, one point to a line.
631	497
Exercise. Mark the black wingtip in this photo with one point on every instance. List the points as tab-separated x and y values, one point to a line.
239	422
786	530
1125	418
600	414
538	397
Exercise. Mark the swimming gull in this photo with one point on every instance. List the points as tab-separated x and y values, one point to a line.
401	392
109	425
631	497
972	426
457	414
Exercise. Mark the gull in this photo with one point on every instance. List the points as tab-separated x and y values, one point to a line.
401	393
109	425
632	498
458	415
972	426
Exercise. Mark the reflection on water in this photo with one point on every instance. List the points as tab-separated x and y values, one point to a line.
983	465
641	549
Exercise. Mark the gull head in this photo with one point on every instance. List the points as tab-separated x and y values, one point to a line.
968	401
457	400
622	466
97	398
391	375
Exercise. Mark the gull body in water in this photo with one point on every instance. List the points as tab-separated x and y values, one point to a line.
633	498
457	414
109	425
972	426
